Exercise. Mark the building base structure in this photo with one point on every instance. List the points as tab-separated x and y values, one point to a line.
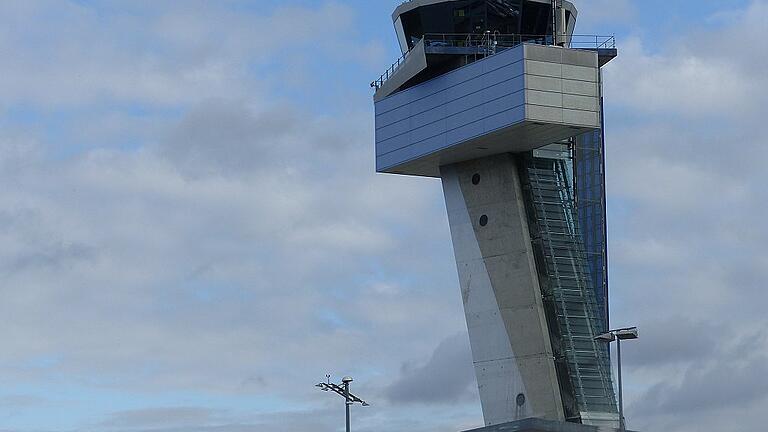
539	425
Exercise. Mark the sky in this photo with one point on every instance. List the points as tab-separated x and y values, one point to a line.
192	233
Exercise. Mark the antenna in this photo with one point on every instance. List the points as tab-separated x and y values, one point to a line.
554	22
558	23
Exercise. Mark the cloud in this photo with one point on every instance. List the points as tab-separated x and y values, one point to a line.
154	53
599	13
715	388
710	72
673	341
116	235
161	418
684	83
445	378
222	138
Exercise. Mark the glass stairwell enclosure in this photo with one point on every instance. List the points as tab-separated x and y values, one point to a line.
583	364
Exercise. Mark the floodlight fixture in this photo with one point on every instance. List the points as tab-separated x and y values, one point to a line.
619	335
627	333
343	391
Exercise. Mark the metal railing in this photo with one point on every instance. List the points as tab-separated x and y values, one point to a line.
395	66
490	40
487	44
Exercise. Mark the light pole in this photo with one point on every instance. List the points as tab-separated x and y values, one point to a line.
343	391
346	380
618	335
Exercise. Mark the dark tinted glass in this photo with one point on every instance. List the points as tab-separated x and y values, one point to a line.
537	19
505	17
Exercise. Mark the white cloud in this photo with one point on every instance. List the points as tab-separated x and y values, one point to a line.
595	15
679	83
154	53
714	71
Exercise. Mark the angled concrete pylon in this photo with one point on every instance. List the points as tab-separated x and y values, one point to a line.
505	314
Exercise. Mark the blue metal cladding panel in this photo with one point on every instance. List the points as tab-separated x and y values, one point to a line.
462	104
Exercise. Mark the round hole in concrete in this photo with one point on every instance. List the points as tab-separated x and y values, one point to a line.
483	220
476	179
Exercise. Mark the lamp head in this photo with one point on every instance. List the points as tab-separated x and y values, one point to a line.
346	379
628	333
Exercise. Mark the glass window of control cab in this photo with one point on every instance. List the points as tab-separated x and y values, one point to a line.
462	18
504	17
537	19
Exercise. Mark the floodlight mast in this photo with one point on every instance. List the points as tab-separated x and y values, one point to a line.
343	391
618	335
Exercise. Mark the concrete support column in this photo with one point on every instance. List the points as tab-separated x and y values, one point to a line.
505	315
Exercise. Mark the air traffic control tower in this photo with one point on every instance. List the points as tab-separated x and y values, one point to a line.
502	102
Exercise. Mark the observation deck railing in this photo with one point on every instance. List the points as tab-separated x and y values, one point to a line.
488	44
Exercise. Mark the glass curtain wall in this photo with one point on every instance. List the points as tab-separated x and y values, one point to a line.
589	168
504	17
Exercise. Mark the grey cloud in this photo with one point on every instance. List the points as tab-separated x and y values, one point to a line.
364	419
222	137
289	421
51	257
161	418
232	139
670	341
730	379
22	401
445	378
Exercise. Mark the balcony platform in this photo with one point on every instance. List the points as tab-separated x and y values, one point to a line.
517	100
